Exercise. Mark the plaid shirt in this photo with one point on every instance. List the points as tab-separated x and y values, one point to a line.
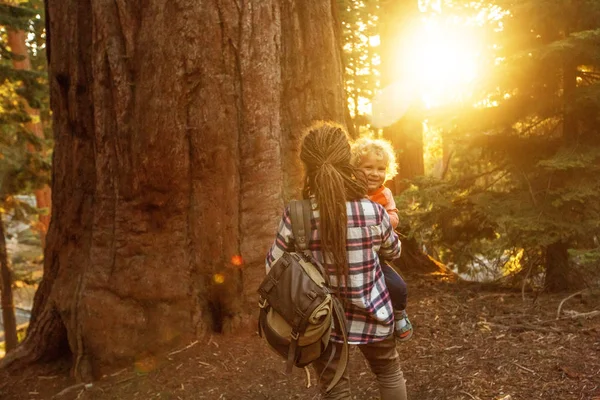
367	302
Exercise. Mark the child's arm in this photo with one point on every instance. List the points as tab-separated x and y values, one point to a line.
391	209
394	219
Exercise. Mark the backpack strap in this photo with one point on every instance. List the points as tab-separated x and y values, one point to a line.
300	212
300	219
300	215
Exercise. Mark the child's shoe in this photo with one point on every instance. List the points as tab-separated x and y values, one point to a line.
403	328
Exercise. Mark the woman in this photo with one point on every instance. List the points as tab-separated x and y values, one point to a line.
349	233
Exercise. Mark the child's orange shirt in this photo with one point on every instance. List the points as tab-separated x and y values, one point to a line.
384	197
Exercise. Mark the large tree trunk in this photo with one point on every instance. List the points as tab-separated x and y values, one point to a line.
171	119
17	44
309	87
312	78
9	320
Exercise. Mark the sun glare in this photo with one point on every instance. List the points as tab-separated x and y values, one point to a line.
437	65
441	61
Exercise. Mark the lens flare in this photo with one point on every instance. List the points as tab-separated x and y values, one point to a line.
219	279
145	364
237	260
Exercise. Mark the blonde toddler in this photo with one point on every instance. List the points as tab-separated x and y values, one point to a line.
376	159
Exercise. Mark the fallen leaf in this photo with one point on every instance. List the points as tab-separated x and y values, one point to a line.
569	372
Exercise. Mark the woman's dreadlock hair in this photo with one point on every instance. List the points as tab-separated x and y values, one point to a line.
333	180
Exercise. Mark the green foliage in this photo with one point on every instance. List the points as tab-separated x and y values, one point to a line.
24	157
587	256
359	25
17	16
527	159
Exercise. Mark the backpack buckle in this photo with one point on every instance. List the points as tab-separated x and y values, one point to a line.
262	303
295	335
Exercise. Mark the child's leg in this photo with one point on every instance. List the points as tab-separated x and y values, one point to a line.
399	295
396	286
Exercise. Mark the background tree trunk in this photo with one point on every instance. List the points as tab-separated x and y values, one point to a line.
406	135
559	274
9	320
17	44
174	122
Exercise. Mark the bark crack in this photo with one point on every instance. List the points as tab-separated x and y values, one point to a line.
119	79
240	104
193	83
191	242
76	323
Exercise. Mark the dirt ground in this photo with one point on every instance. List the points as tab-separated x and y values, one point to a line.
471	342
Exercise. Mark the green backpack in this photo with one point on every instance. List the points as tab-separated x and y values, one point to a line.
297	306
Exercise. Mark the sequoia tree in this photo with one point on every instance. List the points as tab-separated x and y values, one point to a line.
176	125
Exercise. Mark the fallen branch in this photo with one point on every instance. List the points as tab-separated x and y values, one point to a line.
185	348
118	372
69	389
527	327
525	369
453	348
125	380
565	299
525	281
48	377
307	377
576	314
470	395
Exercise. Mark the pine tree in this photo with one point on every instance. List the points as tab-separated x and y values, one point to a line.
359	54
526	171
23	166
29	54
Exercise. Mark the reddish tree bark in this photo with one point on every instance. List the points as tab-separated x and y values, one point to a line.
174	121
311	76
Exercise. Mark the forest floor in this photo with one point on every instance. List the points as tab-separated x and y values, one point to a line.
471	342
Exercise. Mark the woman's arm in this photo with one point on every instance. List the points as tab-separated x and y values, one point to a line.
284	240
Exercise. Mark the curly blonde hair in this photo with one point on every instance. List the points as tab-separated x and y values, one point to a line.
381	148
